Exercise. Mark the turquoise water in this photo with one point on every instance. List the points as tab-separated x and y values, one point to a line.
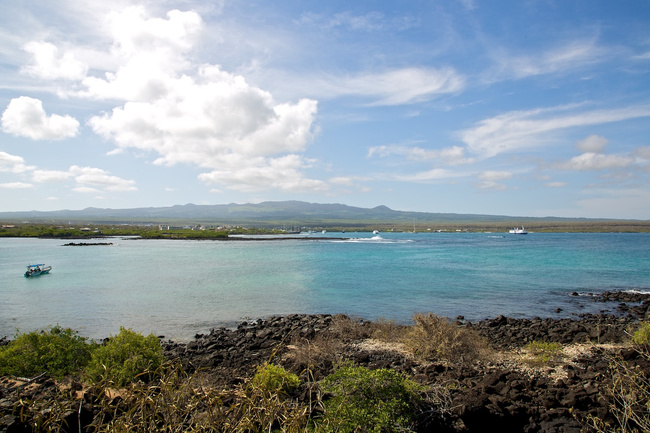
179	288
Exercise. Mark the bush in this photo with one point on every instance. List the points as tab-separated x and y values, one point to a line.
56	351
641	336
366	400
433	337
274	379
125	357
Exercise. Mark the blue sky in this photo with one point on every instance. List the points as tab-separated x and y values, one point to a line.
523	108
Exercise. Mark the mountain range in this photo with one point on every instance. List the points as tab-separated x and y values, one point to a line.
268	213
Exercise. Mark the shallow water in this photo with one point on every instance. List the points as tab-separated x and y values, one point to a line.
178	288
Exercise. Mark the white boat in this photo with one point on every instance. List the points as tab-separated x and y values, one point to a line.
519	231
36	270
375	232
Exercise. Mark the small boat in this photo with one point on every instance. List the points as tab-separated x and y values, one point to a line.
519	231
36	270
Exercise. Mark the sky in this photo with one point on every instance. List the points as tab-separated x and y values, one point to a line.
521	108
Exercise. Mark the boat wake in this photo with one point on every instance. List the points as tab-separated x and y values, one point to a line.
375	239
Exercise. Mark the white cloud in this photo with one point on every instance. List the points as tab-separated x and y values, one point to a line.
93	178
197	114
400	86
13	163
519	130
593	143
50	175
16	185
49	65
595	161
25	117
282	173
490	179
453	155
149	53
571	55
556	184
429	175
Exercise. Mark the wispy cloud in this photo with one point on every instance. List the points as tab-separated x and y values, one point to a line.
453	155
569	56
398	86
521	130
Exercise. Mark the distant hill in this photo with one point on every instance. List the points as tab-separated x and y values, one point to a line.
272	213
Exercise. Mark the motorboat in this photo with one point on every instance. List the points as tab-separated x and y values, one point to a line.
37	269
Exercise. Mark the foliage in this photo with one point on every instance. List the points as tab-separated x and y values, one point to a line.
434	337
125	357
56	351
641	337
543	352
366	400
275	379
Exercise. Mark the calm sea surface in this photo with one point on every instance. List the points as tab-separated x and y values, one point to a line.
179	288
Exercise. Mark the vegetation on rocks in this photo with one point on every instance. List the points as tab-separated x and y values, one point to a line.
55	351
126	357
334	373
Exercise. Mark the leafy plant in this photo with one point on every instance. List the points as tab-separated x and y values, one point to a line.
275	379
56	351
366	400
125	357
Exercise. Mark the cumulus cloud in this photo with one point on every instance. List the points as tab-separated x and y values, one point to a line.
593	143
48	64
519	130
150	53
25	117
13	163
198	115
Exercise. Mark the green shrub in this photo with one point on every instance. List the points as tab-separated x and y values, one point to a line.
543	352
125	357
56	351
366	400
434	337
274	379
641	337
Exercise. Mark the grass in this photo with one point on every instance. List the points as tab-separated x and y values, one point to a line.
543	353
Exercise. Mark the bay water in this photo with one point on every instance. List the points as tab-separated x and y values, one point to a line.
178	288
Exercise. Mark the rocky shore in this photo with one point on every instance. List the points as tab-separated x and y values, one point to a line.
506	390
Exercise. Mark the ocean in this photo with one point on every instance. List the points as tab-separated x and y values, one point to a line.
178	288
